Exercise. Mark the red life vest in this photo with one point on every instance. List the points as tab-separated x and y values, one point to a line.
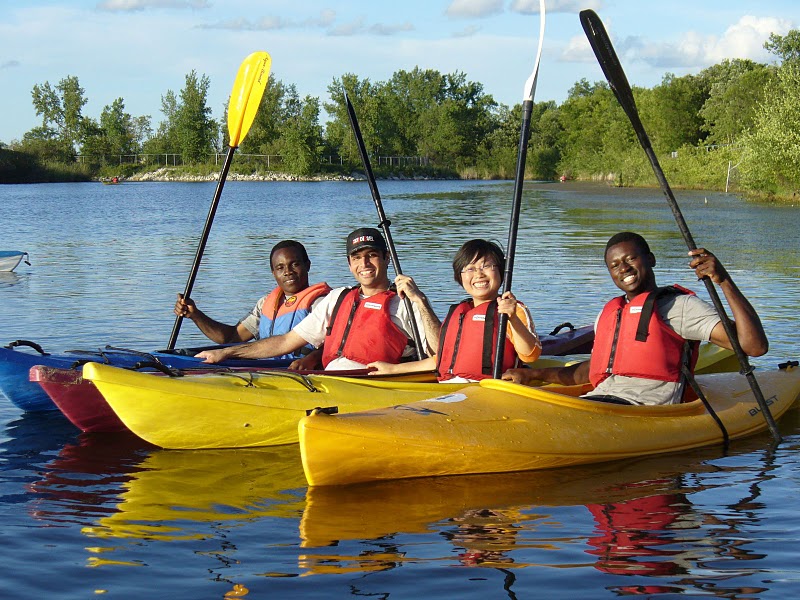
362	330
468	340
630	532
631	339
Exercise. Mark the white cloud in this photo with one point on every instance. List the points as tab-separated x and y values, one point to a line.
577	50
272	23
529	7
347	29
381	29
468	31
744	39
135	5
474	8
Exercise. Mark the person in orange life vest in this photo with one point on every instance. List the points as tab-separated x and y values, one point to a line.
468	338
357	325
277	312
633	371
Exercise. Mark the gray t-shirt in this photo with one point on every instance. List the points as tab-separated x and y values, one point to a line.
252	320
692	319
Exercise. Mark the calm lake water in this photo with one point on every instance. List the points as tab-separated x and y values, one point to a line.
84	515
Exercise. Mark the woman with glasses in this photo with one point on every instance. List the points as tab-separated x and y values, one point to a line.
468	337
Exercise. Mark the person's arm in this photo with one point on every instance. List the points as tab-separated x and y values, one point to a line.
310	362
525	341
385	368
213	330
748	327
572	375
264	348
407	288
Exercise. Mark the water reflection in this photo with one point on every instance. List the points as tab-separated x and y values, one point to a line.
9	279
83	481
174	494
28	442
643	530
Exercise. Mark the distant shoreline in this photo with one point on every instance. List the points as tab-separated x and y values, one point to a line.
166	175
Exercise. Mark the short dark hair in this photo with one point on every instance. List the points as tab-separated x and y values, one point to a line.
475	249
627	236
289	244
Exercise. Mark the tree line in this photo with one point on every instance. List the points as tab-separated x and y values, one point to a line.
736	116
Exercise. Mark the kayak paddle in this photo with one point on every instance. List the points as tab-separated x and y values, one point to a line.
612	68
519	182
242	108
384	222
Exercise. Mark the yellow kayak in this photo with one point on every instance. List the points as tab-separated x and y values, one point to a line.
239	409
499	427
261	408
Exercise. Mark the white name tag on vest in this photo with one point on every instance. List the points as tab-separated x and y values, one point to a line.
635	310
373	305
479	318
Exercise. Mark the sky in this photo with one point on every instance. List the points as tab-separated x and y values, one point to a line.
137	50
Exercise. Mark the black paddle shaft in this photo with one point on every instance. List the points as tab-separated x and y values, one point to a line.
384	222
519	183
212	210
612	68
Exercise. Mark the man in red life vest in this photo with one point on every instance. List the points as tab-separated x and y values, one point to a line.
274	314
638	360
357	325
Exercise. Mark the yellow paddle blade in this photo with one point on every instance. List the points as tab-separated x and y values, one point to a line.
246	95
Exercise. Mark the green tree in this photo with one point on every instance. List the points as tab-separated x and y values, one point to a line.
60	108
338	132
301	137
196	131
787	47
673	117
165	141
771	160
736	89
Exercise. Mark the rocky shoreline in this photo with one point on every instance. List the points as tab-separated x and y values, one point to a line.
171	174
167	174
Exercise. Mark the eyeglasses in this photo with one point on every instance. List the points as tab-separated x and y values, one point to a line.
473	270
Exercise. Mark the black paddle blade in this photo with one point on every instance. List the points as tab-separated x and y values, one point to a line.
612	69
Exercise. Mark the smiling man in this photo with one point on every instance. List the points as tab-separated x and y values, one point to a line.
357	325
274	314
645	337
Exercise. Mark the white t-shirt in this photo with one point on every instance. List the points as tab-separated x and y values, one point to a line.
312	329
692	319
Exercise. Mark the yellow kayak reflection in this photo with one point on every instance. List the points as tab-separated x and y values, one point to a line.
175	488
491	520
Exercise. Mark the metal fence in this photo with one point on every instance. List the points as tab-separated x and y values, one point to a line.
267	160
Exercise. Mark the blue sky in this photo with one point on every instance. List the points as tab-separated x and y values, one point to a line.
139	49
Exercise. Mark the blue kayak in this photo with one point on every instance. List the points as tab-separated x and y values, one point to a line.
17	358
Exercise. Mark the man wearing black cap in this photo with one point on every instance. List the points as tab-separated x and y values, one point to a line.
358	325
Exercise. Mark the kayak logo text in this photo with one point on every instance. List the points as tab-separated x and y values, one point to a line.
770	401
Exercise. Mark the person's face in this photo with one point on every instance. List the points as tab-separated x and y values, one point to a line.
631	269
481	279
369	266
290	270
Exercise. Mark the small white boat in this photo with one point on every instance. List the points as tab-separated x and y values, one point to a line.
9	259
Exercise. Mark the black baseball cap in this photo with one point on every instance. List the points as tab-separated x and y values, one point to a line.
365	237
